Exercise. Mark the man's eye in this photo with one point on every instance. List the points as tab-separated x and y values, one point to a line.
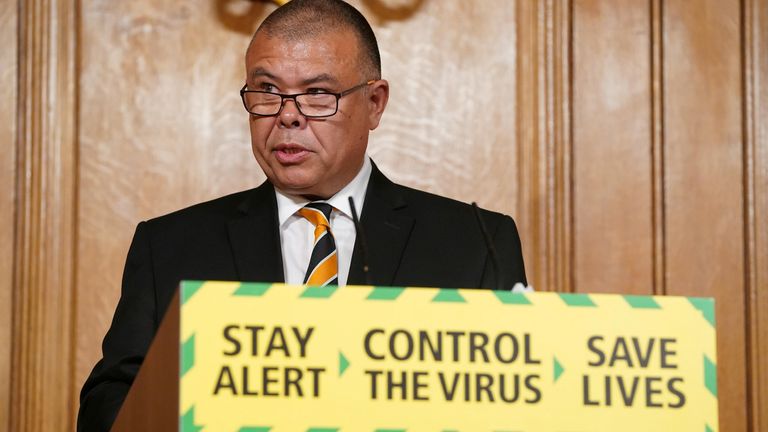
318	90
267	87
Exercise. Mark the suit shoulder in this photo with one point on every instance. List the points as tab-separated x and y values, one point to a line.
222	208
427	201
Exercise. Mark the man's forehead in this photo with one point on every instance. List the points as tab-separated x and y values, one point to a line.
327	58
341	43
304	44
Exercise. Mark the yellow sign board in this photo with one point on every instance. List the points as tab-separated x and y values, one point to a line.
274	357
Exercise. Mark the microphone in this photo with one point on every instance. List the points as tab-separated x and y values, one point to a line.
491	248
362	240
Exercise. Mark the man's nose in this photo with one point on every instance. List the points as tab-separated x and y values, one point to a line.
290	116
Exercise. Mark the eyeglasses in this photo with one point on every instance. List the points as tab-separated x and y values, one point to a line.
310	105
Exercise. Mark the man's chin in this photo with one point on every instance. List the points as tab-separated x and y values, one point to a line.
296	187
303	182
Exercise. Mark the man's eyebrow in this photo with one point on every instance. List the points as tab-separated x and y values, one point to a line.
260	72
321	78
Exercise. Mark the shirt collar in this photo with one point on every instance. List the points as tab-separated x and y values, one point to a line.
288	205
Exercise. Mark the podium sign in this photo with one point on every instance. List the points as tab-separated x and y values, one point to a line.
274	357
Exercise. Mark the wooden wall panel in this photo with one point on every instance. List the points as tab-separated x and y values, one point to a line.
544	147
756	162
8	89
449	127
612	137
628	138
161	127
42	319
704	178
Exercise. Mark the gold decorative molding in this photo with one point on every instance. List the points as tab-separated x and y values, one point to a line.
276	2
44	246
544	136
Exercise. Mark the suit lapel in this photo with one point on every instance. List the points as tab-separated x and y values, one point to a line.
387	227
255	238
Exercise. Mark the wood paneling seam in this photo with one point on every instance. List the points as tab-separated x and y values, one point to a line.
658	201
555	126
752	140
74	402
569	254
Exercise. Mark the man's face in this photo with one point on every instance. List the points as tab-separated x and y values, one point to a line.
312	157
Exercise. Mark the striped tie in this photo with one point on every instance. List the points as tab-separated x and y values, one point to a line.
323	266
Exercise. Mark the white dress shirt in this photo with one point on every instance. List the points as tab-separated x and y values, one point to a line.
297	233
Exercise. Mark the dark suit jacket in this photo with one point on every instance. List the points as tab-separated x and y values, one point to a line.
414	239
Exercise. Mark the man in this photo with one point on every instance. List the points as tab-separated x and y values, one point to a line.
313	92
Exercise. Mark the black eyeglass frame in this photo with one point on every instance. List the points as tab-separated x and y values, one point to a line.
283	97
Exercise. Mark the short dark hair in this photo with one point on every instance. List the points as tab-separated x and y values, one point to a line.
301	19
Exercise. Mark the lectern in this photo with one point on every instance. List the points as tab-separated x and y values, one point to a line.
153	401
272	357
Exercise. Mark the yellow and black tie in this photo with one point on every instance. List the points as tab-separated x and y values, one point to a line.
323	266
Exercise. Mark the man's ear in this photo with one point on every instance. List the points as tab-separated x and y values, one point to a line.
378	95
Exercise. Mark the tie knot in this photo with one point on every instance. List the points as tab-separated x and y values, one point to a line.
318	213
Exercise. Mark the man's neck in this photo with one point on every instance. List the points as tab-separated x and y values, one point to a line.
288	204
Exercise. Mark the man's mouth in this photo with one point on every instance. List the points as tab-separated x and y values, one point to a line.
290	154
